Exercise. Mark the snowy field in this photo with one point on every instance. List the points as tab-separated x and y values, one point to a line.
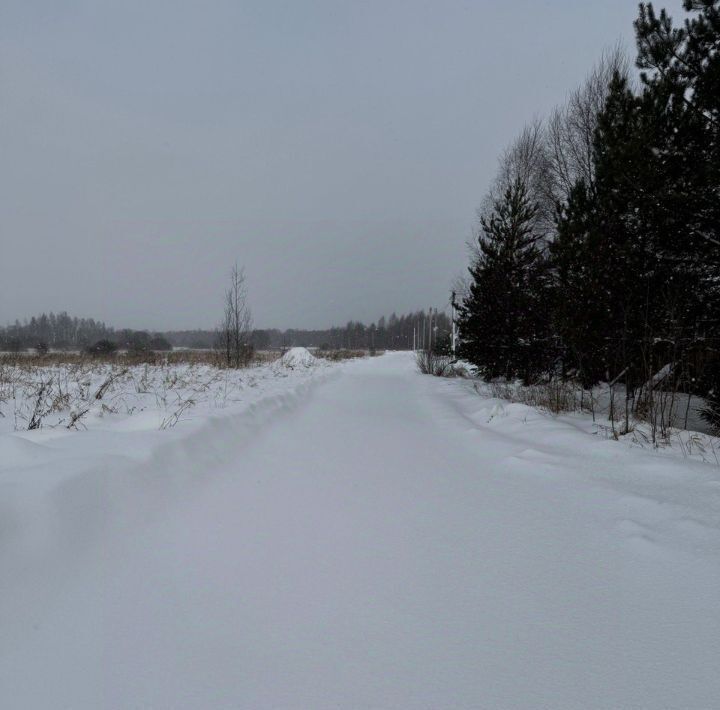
86	394
354	535
99	417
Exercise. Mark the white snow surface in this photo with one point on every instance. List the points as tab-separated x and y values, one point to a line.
298	357
370	539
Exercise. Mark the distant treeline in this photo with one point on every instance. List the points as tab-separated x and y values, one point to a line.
392	333
59	331
63	332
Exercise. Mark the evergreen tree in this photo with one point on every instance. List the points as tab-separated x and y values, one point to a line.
633	277
682	75
582	312
607	266
503	324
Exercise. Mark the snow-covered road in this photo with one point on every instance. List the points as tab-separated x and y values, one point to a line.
391	541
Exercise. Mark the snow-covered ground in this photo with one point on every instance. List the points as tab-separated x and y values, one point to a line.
89	394
356	536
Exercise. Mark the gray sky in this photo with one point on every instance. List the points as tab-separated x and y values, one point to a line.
336	149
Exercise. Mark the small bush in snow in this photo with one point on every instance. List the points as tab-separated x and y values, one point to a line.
430	363
556	396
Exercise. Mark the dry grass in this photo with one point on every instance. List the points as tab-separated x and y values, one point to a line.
338	355
66	389
213	358
555	397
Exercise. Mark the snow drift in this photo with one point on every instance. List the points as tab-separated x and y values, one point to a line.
298	357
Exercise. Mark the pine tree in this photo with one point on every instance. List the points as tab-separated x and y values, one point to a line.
682	80
503	324
603	261
629	283
581	314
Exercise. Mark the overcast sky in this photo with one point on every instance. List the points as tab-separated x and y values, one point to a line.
336	149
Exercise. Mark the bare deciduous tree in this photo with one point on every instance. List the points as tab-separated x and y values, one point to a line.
236	328
571	128
525	161
549	157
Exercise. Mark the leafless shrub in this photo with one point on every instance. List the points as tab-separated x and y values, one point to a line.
41	407
556	396
112	377
182	406
430	363
502	390
76	417
694	444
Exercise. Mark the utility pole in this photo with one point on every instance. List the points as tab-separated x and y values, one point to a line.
430	330
453	306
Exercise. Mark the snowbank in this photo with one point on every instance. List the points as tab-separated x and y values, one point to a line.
298	357
142	412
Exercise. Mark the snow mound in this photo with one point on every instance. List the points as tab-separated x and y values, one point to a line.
298	357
